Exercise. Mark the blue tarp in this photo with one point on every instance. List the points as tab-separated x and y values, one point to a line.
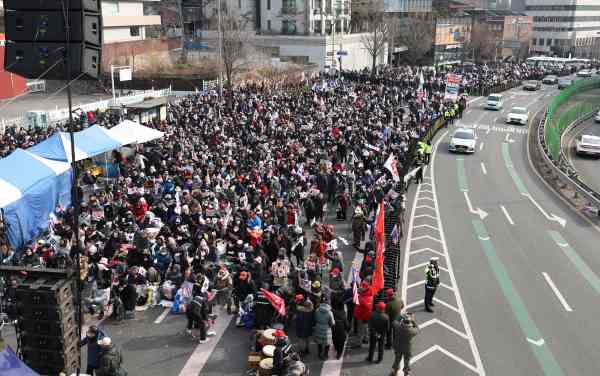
11	365
88	143
40	186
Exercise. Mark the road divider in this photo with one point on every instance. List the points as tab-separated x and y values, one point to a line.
542	352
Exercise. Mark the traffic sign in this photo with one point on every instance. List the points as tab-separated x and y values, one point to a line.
342	53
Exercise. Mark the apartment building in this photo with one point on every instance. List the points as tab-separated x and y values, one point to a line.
565	27
124	21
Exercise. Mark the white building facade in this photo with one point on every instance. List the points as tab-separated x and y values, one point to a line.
563	27
124	21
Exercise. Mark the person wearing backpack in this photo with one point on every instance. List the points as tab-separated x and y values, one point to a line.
111	359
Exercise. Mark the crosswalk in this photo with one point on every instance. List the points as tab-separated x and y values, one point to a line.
445	333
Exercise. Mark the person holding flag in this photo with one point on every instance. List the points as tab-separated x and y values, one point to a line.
378	278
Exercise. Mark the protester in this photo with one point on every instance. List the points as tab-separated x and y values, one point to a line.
92	340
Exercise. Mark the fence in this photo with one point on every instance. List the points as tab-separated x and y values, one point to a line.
554	126
62	114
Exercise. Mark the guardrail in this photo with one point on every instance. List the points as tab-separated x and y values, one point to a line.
550	153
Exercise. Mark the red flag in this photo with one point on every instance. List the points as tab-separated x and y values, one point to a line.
275	300
377	283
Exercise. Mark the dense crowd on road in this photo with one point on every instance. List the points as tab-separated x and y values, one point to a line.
230	208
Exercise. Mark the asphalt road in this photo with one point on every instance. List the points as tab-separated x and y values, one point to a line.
586	166
522	262
519	292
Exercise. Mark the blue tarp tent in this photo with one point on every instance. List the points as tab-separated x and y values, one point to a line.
31	188
88	143
11	365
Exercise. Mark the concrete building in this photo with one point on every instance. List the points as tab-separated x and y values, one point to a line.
511	31
565	27
451	35
408	6
124	21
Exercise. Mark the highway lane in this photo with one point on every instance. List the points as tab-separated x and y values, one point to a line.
499	265
586	166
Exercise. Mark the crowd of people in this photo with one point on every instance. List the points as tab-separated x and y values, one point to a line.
231	208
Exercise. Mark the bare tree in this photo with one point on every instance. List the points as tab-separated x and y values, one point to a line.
369	18
416	34
481	45
235	44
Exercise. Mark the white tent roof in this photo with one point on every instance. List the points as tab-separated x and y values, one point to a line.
129	132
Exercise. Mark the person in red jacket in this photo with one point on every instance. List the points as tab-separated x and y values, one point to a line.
363	310
140	209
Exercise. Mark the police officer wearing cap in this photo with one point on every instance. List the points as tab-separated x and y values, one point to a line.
432	276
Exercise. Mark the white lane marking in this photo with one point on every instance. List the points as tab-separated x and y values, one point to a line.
425	237
427	226
439	348
481	146
162	316
488	130
508	218
478	368
441	323
538	343
202	352
477	211
551	217
426	250
483	168
333	366
496	119
422	282
560	296
343	240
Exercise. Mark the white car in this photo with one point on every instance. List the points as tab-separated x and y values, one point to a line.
597	117
463	141
588	145
584	73
494	102
518	115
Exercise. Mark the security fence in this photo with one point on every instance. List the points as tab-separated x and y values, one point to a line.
557	123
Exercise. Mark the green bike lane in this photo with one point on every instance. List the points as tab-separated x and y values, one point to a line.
520	253
506	288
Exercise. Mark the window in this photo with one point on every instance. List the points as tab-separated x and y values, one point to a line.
134	31
268	4
548	42
269	25
110	8
288	27
533	41
239	4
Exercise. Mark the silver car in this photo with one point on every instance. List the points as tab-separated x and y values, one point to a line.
463	141
588	145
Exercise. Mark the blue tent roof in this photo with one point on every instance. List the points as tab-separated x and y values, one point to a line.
88	143
30	189
10	365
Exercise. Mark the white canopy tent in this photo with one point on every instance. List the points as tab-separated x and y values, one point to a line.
130	132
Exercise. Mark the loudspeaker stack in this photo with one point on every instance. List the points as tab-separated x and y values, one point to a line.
47	325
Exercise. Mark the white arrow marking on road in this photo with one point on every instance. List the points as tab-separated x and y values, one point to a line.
507	215
481	146
508	139
560	296
488	130
435	348
551	217
480	212
483	168
538	343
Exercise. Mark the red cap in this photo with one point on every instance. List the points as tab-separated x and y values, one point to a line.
389	292
243	275
335	271
279	333
380	306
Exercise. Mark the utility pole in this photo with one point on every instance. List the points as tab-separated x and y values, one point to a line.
220	32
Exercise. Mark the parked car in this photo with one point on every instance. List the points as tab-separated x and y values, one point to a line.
584	73
564	83
532	85
518	115
494	102
463	141
588	145
550	80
